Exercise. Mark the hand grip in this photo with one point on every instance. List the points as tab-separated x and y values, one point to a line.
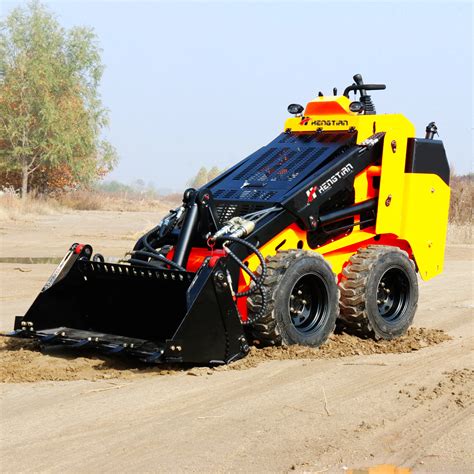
367	87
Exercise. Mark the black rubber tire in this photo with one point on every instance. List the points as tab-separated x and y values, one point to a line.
287	272
362	308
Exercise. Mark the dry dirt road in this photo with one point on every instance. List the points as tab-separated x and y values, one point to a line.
410	409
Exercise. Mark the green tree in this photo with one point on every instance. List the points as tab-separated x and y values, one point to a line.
200	179
50	109
213	173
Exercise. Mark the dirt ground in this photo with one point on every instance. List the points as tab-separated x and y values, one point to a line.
352	404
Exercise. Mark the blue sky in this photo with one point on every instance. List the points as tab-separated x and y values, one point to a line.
192	84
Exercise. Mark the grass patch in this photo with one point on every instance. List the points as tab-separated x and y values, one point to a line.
13	207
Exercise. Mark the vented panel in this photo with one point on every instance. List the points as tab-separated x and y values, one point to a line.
244	194
227	211
257	162
270	173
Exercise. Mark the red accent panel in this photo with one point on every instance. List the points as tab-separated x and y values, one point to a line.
325	108
197	256
242	308
213	261
79	248
242	302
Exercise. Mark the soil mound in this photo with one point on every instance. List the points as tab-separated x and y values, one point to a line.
22	361
346	345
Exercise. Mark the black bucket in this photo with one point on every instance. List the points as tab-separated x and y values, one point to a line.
160	315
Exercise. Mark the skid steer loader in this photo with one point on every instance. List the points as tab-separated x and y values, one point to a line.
332	219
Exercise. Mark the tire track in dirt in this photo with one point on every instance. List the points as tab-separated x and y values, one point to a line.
400	437
425	423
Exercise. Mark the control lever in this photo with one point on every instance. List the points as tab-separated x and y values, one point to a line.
365	99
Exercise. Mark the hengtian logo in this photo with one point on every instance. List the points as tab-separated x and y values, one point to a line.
314	191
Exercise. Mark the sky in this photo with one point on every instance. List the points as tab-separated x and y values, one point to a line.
206	83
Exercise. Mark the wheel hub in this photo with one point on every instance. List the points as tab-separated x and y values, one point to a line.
300	304
392	294
308	304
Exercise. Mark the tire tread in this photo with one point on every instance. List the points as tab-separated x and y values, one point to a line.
353	288
266	332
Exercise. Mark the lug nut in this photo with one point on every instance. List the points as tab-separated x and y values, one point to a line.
387	290
300	292
178	348
304	302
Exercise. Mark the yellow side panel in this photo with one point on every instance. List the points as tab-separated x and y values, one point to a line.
391	195
412	206
397	130
425	220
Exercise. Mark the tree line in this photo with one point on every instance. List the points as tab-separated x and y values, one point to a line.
51	113
203	176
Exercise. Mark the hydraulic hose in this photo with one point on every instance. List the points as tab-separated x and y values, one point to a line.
263	308
158	256
147	236
258	281
151	252
240	263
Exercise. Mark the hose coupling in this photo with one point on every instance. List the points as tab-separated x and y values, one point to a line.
235	227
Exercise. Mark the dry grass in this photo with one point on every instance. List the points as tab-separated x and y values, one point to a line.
12	207
81	201
461	210
459	234
97	201
462	199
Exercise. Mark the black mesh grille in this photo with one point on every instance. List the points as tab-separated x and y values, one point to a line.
307	157
282	164
257	162
226	211
292	138
270	173
244	194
